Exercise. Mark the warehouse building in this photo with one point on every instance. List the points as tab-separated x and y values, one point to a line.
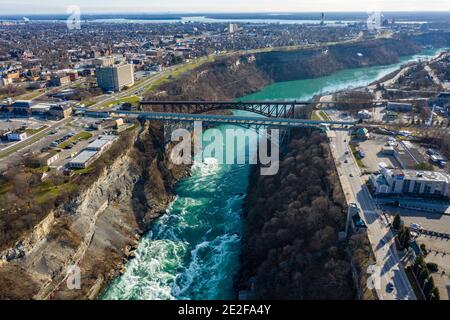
102	143
84	159
92	152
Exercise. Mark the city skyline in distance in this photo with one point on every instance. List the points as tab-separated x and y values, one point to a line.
232	6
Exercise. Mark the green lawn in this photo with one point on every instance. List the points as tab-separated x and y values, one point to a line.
355	154
31	132
319	115
80	136
46	191
31	95
324	115
130	99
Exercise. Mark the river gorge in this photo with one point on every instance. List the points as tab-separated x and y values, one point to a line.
193	250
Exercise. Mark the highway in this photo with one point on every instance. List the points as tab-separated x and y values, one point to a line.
379	233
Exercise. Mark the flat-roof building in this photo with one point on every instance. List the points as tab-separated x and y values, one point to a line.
399	107
115	78
83	160
102	143
411	182
407	155
92	152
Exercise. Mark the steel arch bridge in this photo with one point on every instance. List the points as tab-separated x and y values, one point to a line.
270	109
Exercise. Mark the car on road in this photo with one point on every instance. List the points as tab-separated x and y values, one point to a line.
390	287
351	175
416	226
346	152
345	161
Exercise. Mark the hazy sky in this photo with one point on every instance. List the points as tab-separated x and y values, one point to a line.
159	6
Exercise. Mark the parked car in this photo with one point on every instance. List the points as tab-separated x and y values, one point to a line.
390	287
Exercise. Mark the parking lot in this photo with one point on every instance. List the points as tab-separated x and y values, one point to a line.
18	123
75	126
439	253
438	247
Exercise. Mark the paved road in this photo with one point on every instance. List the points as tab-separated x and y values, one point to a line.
380	236
15	152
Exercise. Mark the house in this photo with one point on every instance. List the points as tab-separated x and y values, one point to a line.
362	133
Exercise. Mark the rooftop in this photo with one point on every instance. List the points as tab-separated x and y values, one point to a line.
84	156
101	142
424	175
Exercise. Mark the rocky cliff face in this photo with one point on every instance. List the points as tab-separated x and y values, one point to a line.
237	76
302	64
97	229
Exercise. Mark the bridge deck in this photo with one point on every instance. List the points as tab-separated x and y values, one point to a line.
280	102
281	122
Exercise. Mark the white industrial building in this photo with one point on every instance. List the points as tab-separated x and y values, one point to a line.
411	182
101	144
92	152
84	159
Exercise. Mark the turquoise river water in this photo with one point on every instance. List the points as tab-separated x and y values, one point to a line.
192	252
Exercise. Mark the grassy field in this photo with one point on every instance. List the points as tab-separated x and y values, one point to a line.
319	115
131	99
80	136
355	154
31	132
46	191
31	95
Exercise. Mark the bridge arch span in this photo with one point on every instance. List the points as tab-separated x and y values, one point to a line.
270	109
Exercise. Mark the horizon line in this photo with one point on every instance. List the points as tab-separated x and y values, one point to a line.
221	12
